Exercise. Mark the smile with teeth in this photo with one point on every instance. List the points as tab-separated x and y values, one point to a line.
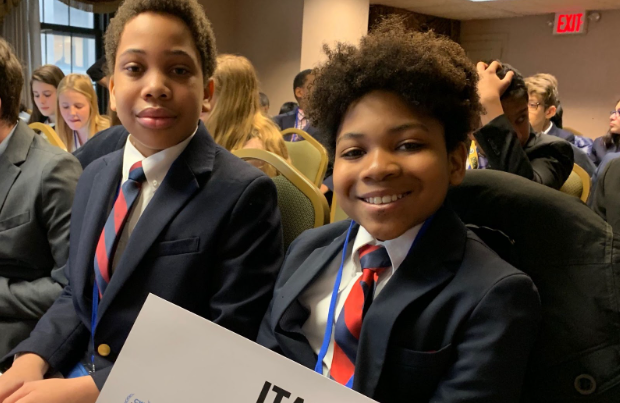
385	199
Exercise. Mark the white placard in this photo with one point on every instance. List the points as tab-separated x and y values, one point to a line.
172	355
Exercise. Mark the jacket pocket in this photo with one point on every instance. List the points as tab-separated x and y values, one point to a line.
177	247
15	221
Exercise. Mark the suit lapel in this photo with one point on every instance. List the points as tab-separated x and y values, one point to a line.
14	155
287	309
178	187
430	264
102	195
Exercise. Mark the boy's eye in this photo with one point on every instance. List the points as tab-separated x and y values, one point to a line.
352	153
132	68
409	146
180	71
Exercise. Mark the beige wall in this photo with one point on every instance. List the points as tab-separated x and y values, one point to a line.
329	21
222	17
587	66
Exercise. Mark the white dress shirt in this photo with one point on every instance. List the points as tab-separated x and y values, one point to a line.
548	129
155	169
317	298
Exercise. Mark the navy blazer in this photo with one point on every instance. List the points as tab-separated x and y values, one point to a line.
209	241
102	143
600	150
561	133
455	323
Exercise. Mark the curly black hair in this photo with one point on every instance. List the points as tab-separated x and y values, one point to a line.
517	89
189	11
430	73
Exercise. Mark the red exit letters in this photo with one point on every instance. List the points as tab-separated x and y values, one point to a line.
574	23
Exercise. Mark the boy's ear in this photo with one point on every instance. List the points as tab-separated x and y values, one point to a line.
299	92
457	159
209	89
112	87
550	112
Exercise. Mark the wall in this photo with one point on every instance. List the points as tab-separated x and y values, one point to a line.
328	22
222	15
587	66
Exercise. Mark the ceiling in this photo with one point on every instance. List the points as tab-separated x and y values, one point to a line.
468	10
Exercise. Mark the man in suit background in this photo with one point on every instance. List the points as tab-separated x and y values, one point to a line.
37	184
297	118
507	142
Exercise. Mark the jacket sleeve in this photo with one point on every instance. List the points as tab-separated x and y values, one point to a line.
607	193
30	299
251	256
549	164
491	363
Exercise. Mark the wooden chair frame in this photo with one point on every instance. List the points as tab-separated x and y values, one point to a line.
50	133
324	158
586	182
321	208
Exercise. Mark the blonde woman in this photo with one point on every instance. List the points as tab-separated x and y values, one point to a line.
234	118
77	104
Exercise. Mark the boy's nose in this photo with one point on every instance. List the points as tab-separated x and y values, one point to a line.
156	87
381	166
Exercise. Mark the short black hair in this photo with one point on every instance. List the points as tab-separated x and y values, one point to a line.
517	89
264	99
189	11
287	107
300	79
428	72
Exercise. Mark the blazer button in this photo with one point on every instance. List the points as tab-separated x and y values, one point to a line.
104	350
585	384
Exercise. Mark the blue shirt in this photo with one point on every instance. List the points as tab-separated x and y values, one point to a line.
5	143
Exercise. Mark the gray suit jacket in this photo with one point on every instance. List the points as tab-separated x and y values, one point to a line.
37	184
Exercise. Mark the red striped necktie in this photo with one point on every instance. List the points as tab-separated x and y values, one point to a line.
114	225
374	260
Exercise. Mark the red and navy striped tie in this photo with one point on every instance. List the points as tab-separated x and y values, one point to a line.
374	260
104	254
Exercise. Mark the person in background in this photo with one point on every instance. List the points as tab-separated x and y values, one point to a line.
234	117
77	104
609	143
37	185
506	142
44	85
543	103
403	303
287	107
97	73
264	103
297	118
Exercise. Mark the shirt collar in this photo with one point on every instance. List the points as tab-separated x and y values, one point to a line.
548	128
5	143
300	114
397	248
155	166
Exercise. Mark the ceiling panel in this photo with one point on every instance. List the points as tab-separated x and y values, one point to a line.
468	10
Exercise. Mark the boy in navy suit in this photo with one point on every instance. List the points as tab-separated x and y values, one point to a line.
403	303
171	214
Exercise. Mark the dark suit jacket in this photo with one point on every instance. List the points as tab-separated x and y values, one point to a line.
101	144
37	184
606	196
454	324
598	172
583	160
599	150
561	133
210	241
573	258
544	159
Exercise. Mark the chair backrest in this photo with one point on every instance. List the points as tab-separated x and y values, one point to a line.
49	133
578	184
573	257
302	205
337	213
309	156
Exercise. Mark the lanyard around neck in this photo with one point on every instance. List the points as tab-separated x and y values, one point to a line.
332	304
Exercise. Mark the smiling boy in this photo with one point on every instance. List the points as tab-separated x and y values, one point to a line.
403	303
171	214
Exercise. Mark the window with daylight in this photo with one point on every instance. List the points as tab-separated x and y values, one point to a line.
71	39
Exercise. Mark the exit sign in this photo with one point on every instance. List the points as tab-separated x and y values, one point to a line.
570	23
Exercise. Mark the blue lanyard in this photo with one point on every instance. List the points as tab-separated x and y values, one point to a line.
332	305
